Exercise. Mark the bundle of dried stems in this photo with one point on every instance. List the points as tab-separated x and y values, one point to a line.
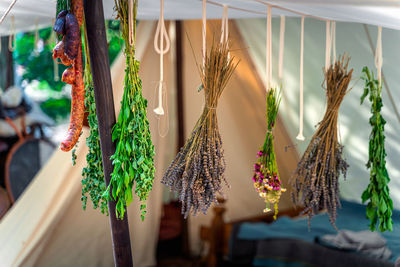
315	183
197	172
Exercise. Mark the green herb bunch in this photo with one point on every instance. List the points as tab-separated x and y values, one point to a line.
380	205
134	156
93	183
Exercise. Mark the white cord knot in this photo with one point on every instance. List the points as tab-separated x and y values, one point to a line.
160	36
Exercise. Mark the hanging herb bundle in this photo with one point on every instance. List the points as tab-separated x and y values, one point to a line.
380	205
134	156
93	183
315	182
197	172
266	177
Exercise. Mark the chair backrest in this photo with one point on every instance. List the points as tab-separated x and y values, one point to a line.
23	162
4	202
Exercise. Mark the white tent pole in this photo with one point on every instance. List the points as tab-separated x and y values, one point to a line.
7	11
270	3
237	8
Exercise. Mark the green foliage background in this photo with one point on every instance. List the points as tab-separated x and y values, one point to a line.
38	66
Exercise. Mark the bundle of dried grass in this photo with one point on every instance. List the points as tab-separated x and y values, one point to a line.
315	183
197	172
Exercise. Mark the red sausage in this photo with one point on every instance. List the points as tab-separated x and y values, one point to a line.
72	36
78	88
69	76
59	25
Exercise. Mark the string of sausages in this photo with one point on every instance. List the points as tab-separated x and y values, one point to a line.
69	50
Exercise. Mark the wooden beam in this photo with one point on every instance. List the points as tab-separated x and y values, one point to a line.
179	84
99	61
181	120
6	65
10	68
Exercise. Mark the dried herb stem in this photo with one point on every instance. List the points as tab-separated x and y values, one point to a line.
315	183
197	171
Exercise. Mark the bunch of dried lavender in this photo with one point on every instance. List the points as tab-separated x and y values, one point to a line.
315	183
197	172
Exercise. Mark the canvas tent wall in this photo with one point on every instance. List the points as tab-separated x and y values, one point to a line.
352	38
30	14
241	118
72	236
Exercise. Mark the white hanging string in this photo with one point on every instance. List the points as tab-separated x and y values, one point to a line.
7	11
268	59
328	45
12	42
300	136
378	55
204	32
161	34
333	40
130	23
224	25
281	48
330	49
35	44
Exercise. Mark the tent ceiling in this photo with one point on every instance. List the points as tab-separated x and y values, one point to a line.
386	13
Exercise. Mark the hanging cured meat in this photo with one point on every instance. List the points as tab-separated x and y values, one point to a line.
69	51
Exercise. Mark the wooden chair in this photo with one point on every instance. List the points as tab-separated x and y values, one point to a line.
217	235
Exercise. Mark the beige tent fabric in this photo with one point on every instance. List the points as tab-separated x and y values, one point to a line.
47	227
241	118
354	125
34	214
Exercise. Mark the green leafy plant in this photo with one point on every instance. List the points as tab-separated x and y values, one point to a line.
380	205
266	177
93	183
134	156
38	66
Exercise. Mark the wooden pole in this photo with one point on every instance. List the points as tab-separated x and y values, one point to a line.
6	65
181	119
10	68
99	62
179	85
